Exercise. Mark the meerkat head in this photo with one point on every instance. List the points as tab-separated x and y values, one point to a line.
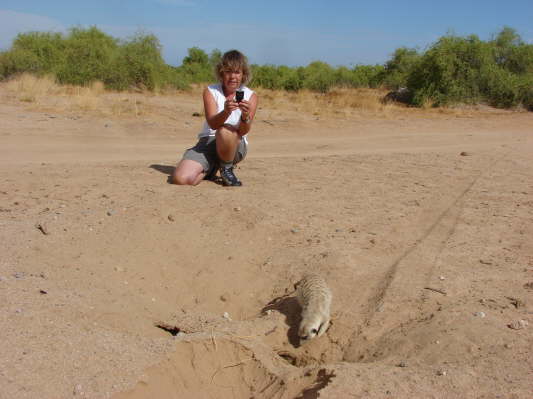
309	329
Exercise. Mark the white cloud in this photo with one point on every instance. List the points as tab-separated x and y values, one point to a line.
12	23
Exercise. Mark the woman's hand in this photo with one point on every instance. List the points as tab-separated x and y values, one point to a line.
230	104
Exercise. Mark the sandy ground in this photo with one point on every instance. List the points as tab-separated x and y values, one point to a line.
116	284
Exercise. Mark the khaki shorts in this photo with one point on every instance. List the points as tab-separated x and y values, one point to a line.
205	153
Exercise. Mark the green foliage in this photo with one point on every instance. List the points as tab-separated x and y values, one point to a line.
469	70
86	55
138	62
277	77
368	76
198	66
449	71
34	52
319	76
397	69
215	57
452	70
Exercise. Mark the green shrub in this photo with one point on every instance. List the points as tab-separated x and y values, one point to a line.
453	70
450	70
35	52
319	76
526	93
368	75
198	66
86	56
18	61
397	69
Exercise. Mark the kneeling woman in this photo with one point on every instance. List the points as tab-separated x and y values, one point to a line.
228	118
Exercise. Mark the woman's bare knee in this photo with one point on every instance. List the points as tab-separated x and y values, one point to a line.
187	173
185	179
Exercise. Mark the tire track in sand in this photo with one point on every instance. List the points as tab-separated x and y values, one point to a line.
399	295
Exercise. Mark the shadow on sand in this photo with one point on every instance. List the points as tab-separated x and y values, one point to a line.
291	309
165	169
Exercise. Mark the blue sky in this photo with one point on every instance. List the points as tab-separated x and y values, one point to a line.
275	32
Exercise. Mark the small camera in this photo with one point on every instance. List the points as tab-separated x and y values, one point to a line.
239	95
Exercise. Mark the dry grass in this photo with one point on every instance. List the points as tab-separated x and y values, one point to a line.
337	102
44	93
29	88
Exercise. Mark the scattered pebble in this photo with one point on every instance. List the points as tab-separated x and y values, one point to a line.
43	228
529	286
43	292
110	212
508	346
516	302
441	278
119	269
237	208
518	324
402	364
464	153
78	390
442	372
226	316
294	230
224	298
171	218
485	262
480	314
197	114
18	275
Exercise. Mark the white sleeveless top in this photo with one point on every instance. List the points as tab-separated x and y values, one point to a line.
234	118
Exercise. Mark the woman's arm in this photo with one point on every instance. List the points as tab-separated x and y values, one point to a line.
248	109
216	119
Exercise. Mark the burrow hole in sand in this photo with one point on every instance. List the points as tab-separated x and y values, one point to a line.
221	368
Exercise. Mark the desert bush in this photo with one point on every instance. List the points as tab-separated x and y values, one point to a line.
318	76
397	69
368	76
449	71
198	66
138	62
454	69
35	52
468	70
86	56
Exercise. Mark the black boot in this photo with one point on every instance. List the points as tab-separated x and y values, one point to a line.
228	177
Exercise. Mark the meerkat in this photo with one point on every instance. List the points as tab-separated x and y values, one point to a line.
314	297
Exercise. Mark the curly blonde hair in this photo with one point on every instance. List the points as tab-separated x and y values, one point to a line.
234	60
